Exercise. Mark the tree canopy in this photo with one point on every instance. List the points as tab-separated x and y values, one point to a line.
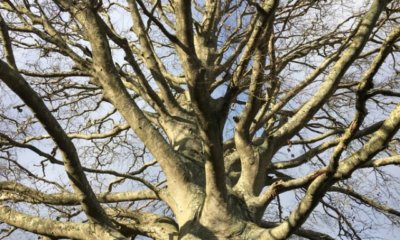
235	119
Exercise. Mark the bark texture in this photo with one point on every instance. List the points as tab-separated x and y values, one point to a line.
198	119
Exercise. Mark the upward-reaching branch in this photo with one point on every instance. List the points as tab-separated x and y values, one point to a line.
152	61
206	110
306	112
6	41
321	184
115	92
71	160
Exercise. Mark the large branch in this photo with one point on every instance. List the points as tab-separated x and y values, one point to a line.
306	112
51	228
72	163
116	93
148	224
16	192
144	90
302	232
131	222
392	160
363	87
184	27
250	181
322	183
337	171
378	142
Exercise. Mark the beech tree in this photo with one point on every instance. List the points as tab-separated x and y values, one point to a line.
235	119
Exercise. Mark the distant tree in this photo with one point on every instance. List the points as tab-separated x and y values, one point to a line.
204	119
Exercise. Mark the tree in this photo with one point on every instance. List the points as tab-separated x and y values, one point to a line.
199	119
